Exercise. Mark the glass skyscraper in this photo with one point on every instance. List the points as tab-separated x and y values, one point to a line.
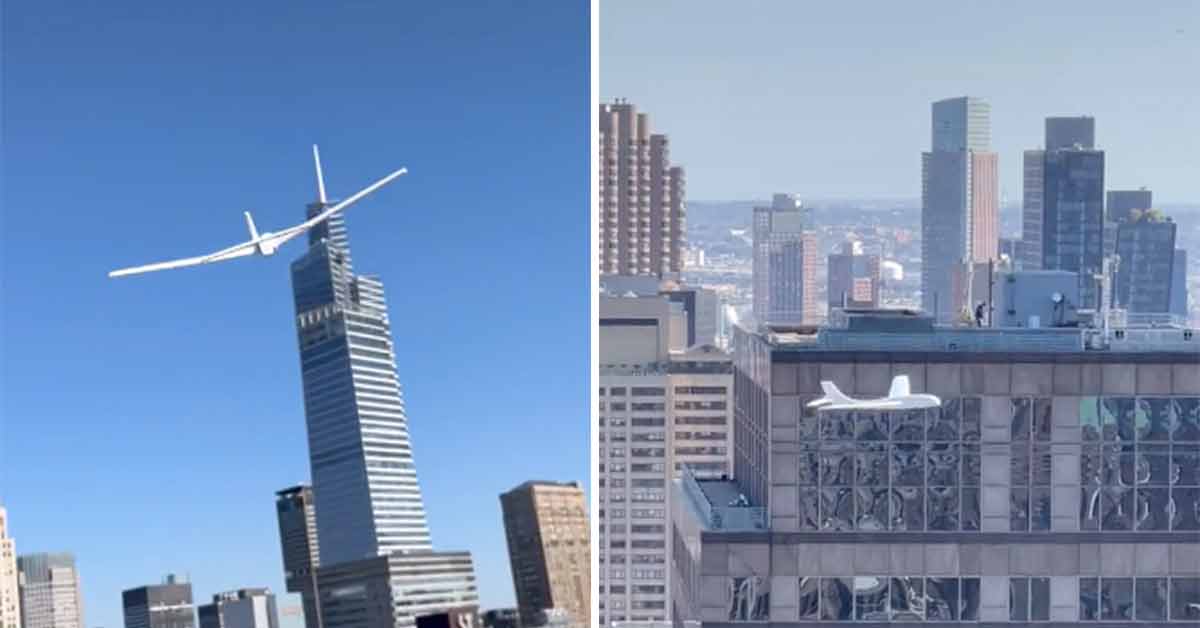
365	487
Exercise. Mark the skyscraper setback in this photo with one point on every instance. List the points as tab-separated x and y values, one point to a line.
364	483
960	201
642	207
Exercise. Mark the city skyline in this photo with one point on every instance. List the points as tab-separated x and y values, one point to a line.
214	425
856	91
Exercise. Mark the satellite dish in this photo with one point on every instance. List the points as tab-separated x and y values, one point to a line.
1057	297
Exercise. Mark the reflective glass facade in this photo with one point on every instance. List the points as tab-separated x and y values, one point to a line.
364	483
1052	485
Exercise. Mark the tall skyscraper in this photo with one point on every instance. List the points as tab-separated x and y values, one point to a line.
854	278
546	525
10	599
960	203
642	197
1146	251
1038	491
370	516
785	264
364	483
164	605
244	608
660	408
1073	218
50	592
298	539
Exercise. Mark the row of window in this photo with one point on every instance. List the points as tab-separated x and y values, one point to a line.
914	598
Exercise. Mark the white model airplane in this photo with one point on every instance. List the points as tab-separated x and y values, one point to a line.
899	397
267	242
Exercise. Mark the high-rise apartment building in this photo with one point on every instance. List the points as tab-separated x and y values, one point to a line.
1063	221
659	410
50	591
549	549
164	605
642	197
301	551
10	598
370	516
854	278
1056	481
244	608
785	263
1146	260
960	203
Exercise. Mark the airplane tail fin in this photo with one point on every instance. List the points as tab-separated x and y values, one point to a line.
320	177
250	226
900	387
833	393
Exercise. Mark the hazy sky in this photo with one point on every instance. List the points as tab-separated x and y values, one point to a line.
832	99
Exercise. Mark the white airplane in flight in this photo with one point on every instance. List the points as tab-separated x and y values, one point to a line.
267	242
899	397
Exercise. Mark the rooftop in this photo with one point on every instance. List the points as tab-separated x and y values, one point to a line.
909	330
721	505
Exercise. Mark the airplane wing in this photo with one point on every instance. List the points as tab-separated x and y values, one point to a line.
291	232
235	251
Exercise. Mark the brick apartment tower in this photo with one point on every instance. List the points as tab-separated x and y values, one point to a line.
549	549
642	207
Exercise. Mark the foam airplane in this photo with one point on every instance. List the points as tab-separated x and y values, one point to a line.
900	397
267	242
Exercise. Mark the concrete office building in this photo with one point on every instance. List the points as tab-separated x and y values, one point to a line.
642	197
244	608
395	589
10	598
659	409
1058	481
165	605
300	548
1063	221
854	278
49	590
785	263
960	203
1146	252
549	549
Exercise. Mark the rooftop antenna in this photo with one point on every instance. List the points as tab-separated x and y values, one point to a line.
320	177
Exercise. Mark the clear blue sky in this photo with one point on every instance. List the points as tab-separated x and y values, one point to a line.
148	421
831	99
